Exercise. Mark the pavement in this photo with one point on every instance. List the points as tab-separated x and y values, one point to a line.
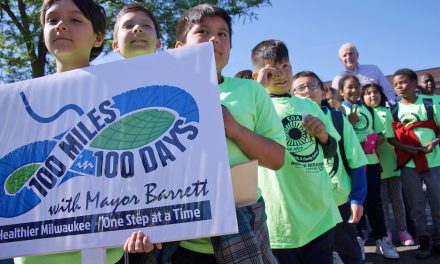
407	253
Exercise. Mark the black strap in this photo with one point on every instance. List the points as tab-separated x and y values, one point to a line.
372	115
395	111
338	123
427	102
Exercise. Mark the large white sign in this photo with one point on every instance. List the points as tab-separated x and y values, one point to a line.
89	155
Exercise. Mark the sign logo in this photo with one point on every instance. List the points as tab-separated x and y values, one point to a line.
145	124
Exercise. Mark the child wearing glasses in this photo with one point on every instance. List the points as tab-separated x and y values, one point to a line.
301	210
346	169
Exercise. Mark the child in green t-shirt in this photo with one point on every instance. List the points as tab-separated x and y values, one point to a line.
415	136
253	132
349	183
74	34
367	125
391	186
302	212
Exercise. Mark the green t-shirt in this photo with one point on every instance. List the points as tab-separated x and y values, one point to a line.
364	127
335	167
113	256
299	199
416	112
250	105
387	156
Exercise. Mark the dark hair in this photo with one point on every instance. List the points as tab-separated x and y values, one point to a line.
406	72
309	74
244	74
134	7
383	98
346	77
91	10
195	15
321	84
269	50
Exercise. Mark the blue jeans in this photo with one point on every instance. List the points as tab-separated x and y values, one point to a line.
6	261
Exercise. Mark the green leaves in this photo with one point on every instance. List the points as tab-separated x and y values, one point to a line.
22	51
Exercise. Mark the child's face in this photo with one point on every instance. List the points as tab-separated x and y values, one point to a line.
351	91
308	87
69	35
372	97
333	99
136	35
212	29
282	79
404	86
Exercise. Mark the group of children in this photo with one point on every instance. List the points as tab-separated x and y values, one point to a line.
319	168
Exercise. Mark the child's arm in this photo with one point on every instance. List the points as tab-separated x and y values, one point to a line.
405	147
268	152
430	146
138	242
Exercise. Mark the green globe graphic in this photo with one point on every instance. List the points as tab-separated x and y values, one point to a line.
17	179
135	130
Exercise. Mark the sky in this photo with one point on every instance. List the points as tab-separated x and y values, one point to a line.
392	34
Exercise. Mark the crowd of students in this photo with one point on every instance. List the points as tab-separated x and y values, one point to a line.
320	168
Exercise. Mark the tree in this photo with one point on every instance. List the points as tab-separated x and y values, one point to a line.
23	54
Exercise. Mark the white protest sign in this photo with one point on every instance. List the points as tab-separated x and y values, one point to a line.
89	155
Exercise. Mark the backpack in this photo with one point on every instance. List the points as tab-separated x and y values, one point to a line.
338	123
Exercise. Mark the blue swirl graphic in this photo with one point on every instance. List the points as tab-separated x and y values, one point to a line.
52	118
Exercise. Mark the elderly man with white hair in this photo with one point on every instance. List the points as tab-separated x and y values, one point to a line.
349	55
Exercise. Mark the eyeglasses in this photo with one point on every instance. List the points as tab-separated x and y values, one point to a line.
311	86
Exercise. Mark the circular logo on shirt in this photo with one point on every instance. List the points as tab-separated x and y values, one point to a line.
362	123
409	118
300	144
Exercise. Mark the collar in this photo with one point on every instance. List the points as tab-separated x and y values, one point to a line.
348	104
280	95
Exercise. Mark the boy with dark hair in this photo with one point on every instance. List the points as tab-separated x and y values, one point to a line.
253	132
302	212
415	136
136	32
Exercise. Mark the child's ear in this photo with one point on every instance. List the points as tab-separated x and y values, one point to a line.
341	92
255	75
99	40
178	44
158	44
115	46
